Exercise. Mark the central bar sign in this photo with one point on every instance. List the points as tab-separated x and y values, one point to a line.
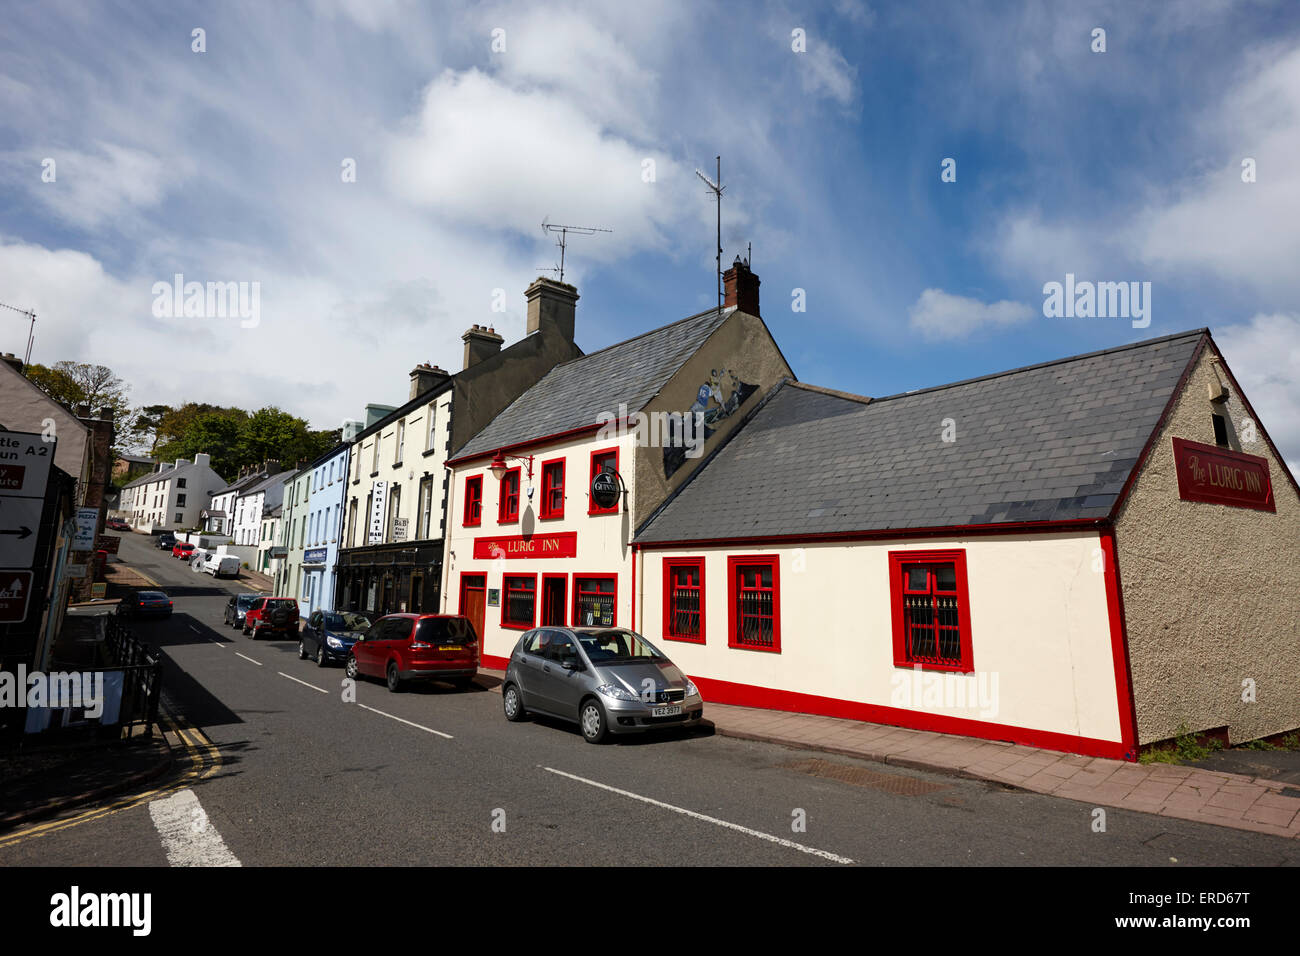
1223	477
561	544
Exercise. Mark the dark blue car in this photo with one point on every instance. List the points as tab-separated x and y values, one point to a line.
327	636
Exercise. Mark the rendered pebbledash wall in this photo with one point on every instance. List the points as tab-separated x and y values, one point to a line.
1211	592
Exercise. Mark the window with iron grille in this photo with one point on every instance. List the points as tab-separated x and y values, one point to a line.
606	460
518	600
754	599
931	610
553	489
474	501
684	599
593	600
508	504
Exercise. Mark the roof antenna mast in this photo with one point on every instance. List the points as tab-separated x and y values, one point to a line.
31	330
715	189
550	227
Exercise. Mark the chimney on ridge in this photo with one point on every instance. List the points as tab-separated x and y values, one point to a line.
481	342
424	377
740	287
551	304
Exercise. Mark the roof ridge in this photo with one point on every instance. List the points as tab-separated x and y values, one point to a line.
833	392
643	335
1204	330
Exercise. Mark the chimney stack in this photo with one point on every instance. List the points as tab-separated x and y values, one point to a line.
741	287
425	377
551	304
10	359
480	343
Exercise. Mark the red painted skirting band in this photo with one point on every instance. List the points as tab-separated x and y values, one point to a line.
747	695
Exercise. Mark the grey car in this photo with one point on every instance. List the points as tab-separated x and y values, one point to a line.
607	680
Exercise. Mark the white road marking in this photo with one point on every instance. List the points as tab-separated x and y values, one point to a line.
403	721
218	643
824	854
194	629
303	682
188	837
247	658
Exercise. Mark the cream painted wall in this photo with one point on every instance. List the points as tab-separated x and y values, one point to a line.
603	544
1211	597
414	466
1038	622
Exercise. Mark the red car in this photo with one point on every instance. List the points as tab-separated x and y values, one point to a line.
117	524
404	647
182	549
272	615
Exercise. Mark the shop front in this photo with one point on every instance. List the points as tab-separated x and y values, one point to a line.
390	579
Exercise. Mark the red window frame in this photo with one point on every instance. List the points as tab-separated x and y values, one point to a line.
549	470
473	516
670	617
591	502
735	593
541	598
900	595
575	609
505	499
505	600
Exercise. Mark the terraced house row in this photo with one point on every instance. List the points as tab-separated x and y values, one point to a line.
1091	554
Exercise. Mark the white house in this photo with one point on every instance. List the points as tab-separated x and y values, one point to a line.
254	503
173	497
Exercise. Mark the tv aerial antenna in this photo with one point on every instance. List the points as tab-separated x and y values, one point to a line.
31	330
563	240
715	189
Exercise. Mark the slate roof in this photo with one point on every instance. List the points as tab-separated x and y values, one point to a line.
1047	442
265	482
574	393
166	475
238	484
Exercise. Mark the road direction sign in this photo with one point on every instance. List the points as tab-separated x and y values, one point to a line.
15	589
25	461
20	519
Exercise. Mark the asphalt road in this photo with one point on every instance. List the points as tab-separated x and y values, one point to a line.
436	776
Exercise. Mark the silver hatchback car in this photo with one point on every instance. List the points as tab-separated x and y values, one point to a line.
607	680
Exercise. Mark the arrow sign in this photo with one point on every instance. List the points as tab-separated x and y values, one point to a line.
19	518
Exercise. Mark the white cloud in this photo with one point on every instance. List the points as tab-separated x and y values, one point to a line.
1264	354
938	315
93	189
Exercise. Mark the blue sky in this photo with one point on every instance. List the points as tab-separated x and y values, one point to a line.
224	165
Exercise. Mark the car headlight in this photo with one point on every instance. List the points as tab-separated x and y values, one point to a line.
618	693
334	642
691	690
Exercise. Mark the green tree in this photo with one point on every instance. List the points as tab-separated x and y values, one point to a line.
76	384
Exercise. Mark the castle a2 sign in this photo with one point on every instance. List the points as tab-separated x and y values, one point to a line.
1220	476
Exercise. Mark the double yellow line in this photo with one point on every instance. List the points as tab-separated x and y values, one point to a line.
204	761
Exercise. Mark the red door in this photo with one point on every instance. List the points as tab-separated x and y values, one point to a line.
473	602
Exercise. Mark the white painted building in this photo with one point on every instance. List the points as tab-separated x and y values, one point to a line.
172	498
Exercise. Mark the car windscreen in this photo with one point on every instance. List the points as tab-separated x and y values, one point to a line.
246	600
151	596
614	646
444	630
346	621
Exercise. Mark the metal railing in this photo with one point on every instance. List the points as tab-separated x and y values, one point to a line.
141	668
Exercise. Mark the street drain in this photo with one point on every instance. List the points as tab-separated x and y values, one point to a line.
862	777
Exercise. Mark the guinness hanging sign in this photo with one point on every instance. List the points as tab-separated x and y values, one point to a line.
605	488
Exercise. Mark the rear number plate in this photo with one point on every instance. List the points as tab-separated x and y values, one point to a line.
672	710
452	647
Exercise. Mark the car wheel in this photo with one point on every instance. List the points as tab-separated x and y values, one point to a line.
594	727
351	668
394	680
513	704
302	651
321	659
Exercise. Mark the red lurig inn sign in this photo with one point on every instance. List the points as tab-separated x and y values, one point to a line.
562	544
1220	476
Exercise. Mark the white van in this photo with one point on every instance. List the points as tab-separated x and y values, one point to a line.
222	565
